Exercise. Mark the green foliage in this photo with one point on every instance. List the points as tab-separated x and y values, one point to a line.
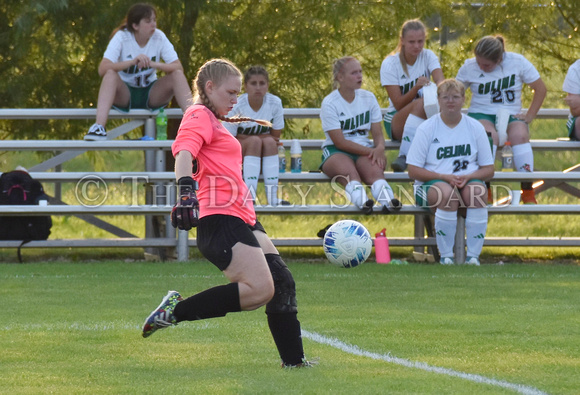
50	50
74	328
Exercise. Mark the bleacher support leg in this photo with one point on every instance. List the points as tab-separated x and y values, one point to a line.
419	234
460	240
182	246
149	131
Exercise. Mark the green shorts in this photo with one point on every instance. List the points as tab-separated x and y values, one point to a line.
330	150
491	118
139	99
387	119
423	189
571	124
421	193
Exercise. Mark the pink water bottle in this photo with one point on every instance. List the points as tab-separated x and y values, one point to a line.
382	253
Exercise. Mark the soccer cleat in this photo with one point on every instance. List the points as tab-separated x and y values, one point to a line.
322	232
399	165
472	261
303	364
393	205
446	261
162	316
284	203
528	196
96	133
367	207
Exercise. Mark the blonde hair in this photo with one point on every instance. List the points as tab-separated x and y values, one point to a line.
450	85
217	71
411	24
337	67
491	48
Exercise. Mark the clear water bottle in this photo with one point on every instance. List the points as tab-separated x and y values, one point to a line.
507	157
161	125
281	158
295	157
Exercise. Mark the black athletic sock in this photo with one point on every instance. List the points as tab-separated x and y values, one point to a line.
527	186
213	302
285	329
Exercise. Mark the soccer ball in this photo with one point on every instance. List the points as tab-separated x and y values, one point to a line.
347	243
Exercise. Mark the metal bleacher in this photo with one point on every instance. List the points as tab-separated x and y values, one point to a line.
156	174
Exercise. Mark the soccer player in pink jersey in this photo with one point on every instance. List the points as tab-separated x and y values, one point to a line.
228	233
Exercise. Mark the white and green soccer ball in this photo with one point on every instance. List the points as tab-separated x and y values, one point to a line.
347	243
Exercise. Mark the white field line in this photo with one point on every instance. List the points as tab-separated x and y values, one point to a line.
99	326
106	326
522	389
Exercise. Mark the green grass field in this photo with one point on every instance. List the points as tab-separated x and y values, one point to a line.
74	328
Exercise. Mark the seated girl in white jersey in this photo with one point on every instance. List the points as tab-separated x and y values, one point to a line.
136	52
404	74
496	79
259	143
572	88
450	159
349	158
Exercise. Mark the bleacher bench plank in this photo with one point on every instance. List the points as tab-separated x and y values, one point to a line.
176	113
543	209
306	144
316	176
284	242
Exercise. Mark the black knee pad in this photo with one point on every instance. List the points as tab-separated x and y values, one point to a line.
284	300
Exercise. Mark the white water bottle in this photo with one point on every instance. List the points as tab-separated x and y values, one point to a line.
281	158
507	157
295	157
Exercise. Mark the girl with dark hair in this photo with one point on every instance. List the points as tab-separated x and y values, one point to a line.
259	143
136	52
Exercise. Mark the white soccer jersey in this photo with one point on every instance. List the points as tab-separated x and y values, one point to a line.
572	80
271	111
441	149
354	119
501	88
392	72
123	46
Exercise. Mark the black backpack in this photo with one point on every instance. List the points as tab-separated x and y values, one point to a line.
18	188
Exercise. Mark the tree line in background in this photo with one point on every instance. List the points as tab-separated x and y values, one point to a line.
50	50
